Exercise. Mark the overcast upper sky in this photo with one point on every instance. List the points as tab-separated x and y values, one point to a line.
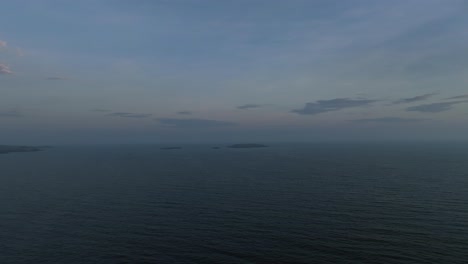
246	70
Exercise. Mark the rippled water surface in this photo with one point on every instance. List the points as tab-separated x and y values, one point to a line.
314	203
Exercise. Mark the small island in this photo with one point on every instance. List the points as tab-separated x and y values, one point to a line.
8	149
247	146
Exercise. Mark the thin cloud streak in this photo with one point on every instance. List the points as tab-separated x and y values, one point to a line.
389	119
184	113
463	96
129	115
193	123
414	99
323	106
248	106
435	107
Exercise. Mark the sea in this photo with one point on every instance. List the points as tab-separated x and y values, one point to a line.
287	203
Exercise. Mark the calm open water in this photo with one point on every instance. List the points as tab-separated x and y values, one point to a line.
314	203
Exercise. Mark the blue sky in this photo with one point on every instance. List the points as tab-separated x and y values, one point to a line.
245	70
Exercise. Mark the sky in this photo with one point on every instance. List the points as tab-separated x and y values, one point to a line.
163	71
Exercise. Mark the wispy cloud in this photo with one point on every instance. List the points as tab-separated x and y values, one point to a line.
463	96
184	113
414	99
5	69
3	44
389	120
10	113
129	115
435	107
322	106
249	106
193	123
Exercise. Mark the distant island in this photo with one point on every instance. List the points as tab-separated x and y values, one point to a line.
8	149
247	146
168	148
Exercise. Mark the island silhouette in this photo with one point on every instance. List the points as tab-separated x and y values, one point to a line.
8	149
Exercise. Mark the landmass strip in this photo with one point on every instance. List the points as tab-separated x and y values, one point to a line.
7	149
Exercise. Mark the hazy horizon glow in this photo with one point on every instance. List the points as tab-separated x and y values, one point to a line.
248	70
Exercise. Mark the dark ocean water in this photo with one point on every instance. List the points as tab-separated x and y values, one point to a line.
315	203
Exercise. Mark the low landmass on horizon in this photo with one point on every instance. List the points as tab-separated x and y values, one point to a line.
7	149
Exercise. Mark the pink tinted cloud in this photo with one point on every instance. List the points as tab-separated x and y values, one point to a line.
4	69
3	44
